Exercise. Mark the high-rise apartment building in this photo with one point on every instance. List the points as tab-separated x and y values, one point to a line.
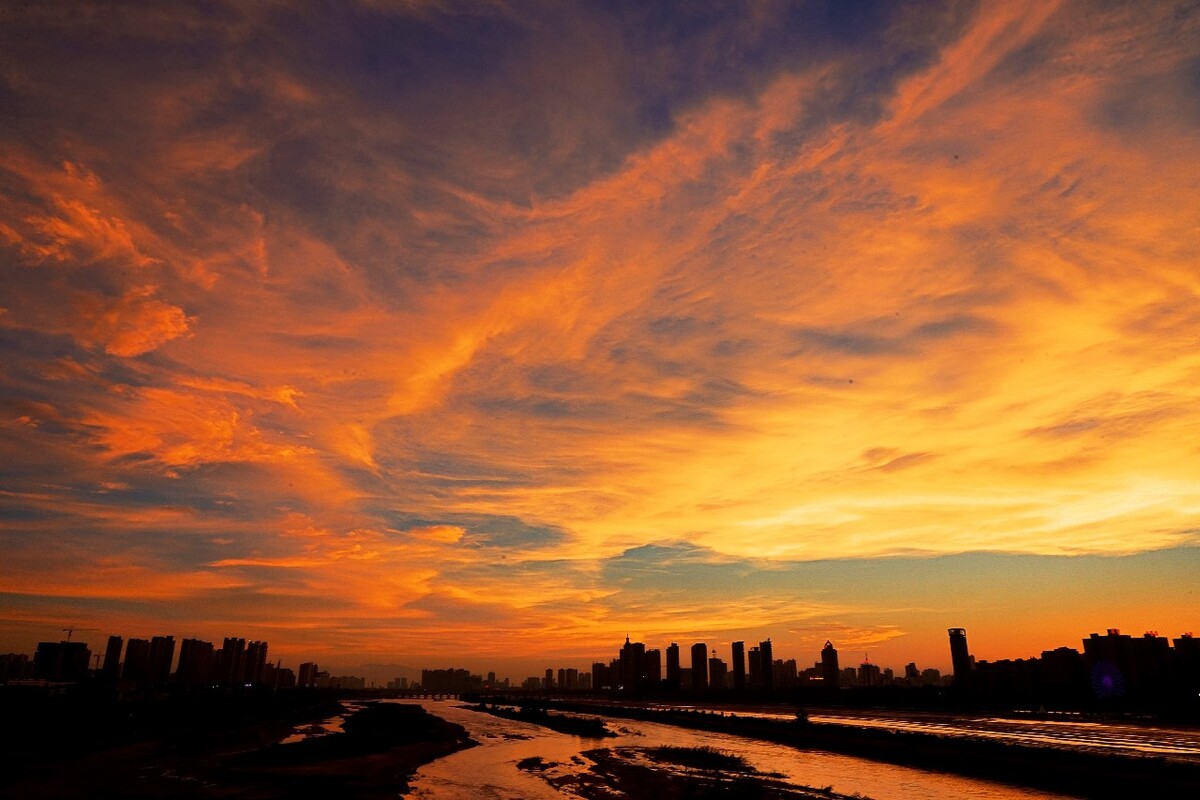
195	663
673	667
767	664
162	654
112	658
699	667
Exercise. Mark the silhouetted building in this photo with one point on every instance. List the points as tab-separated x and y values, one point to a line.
600	676
699	666
547	682
1121	665
829	665
960	656
739	665
785	673
754	663
136	668
286	679
633	665
673	667
767	664
253	662
869	674
158	665
112	658
716	671
1062	675
848	677
195	663
455	681
1187	662
15	667
653	676
308	675
61	662
230	659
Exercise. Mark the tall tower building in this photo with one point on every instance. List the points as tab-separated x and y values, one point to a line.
308	674
254	662
195	663
633	665
112	657
699	666
767	657
960	657
716	672
137	661
739	665
653	676
673	673
829	665
162	653
230	660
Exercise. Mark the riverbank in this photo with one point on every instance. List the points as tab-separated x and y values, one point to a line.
1082	774
576	726
382	745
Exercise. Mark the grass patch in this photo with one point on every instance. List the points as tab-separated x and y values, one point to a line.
708	758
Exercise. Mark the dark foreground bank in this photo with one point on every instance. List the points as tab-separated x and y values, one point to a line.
1077	773
383	744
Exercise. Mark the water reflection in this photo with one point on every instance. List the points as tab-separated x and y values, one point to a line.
490	770
315	730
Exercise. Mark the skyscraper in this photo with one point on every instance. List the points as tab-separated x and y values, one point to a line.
673	677
137	661
195	663
633	665
112	657
829	665
716	672
65	662
767	657
162	653
229	661
308	674
653	676
252	665
739	665
699	666
960	657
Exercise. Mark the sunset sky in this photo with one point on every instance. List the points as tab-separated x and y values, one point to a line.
482	334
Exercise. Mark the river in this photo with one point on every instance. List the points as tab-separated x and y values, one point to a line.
489	772
1062	731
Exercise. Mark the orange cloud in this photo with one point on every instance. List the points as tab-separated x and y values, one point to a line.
132	325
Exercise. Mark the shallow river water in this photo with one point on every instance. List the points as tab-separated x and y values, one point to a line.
489	771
